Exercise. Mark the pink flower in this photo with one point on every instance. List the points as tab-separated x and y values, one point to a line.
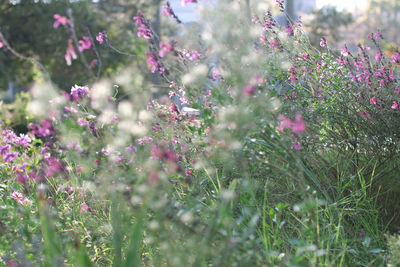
365	114
166	11
274	43
82	122
144	140
184	2
84	44
84	207
289	30
396	58
397	91
378	55
296	146
299	125
378	35
152	62
248	90
345	52
322	43
70	109
164	48
100	37
1	44
43	129
395	105
279	3
60	20
139	19
194	55
144	31
285	123
19	197
78	92
70	54
373	100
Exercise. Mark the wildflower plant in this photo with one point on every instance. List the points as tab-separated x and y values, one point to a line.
244	162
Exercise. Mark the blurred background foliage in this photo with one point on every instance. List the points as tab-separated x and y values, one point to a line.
27	25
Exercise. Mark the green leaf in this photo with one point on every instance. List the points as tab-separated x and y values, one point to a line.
133	254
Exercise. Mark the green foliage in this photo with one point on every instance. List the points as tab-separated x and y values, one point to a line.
28	28
326	22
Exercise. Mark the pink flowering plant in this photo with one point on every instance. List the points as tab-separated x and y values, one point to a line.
258	150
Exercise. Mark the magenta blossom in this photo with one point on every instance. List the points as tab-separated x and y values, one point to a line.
373	100
78	92
19	197
248	90
164	48
84	44
345	52
299	125
194	55
70	54
322	43
82	122
289	30
395	105
184	2
10	157
396	58
43	129
274	43
100	37
166	11
5	149
60	20
23	140
296	146
9	136
378	55
285	123
84	207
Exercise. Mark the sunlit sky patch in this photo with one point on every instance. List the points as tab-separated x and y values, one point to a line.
344	4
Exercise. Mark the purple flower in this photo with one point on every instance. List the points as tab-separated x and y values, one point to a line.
144	140
5	149
10	157
9	136
78	92
23	140
322	43
43	129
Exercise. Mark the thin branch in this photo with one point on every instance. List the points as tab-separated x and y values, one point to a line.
31	59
